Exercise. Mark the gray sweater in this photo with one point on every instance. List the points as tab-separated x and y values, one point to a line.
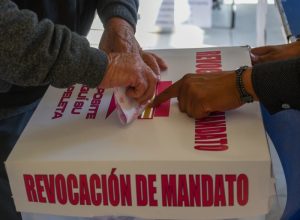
36	52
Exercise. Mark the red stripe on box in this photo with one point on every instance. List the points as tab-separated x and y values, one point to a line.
112	106
163	110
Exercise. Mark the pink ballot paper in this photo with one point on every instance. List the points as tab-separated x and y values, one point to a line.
127	108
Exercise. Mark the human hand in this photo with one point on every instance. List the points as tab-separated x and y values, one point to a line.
275	53
156	63
200	94
129	71
119	37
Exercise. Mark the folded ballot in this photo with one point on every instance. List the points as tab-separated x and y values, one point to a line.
75	158
127	108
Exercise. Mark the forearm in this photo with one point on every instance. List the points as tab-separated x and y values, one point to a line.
125	9
277	83
39	52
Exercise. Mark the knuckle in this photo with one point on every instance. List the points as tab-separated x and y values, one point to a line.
187	76
187	81
133	78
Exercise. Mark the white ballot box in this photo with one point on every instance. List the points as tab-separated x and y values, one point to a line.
75	158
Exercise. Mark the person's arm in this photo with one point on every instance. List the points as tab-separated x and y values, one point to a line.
277	84
119	19
275	52
201	94
125	9
36	52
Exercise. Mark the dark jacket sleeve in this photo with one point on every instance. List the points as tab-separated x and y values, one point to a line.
277	84
34	53
126	9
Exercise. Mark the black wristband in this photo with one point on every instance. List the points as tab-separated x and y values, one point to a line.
244	95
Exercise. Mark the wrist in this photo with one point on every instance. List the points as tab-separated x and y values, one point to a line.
247	81
118	24
244	84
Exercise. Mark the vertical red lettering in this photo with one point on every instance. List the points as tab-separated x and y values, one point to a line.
195	194
242	189
152	190
141	190
207	190
40	188
104	189
61	189
125	185
169	191
30	188
50	188
183	197
95	184
72	184
220	197
230	182
85	198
